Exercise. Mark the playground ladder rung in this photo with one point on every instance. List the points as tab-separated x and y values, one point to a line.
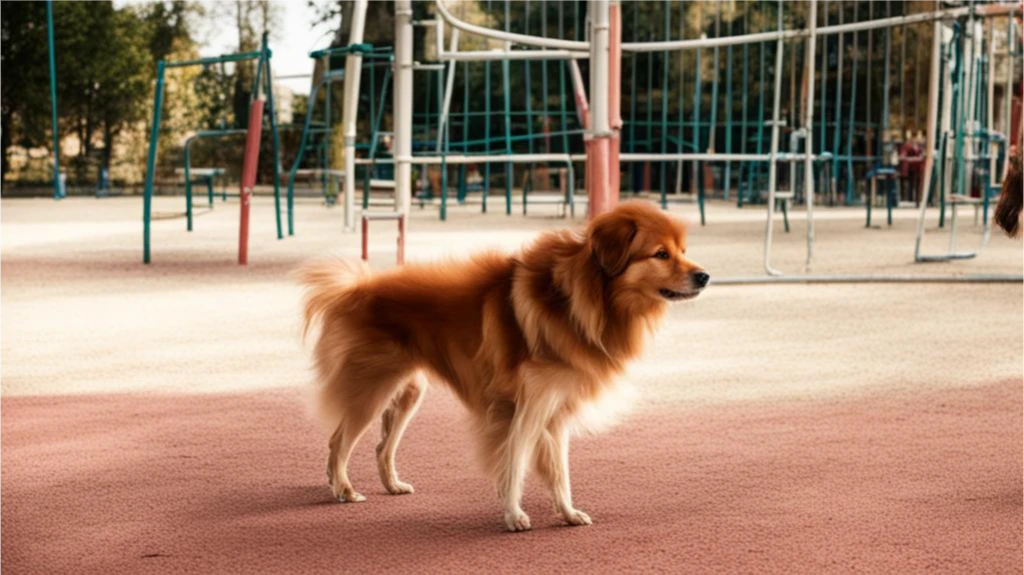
961	199
370	215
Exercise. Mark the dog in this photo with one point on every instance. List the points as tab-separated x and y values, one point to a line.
529	343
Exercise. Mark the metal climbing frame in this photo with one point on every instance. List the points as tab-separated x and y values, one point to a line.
376	57
262	83
811	35
960	111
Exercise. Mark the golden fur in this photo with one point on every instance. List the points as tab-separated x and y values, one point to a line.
527	342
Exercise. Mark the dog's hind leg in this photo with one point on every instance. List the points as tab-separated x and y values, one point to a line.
364	387
393	423
551	461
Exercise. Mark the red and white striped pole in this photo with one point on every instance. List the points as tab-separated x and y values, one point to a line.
614	99
598	135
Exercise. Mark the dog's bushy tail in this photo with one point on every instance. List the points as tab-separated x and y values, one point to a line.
328	284
1007	214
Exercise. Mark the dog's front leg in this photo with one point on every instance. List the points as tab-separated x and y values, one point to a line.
552	464
534	410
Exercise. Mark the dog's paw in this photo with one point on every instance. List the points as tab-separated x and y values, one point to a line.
517	520
349	496
576	517
397	487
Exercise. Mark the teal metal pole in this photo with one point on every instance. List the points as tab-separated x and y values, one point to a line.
744	115
850	178
487	133
443	212
507	88
755	172
188	184
634	64
508	135
727	175
58	192
272	111
328	136
154	135
528	89
664	105
837	129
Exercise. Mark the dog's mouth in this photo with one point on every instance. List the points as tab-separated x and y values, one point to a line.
673	295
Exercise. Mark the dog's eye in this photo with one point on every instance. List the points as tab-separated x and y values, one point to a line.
661	255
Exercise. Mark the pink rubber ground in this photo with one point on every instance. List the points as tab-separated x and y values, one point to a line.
234	484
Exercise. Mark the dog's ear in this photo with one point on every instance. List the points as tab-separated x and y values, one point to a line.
611	238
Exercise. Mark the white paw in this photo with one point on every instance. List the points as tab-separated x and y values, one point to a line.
517	520
397	487
349	496
576	517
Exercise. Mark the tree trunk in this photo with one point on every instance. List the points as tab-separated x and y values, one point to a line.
108	145
5	142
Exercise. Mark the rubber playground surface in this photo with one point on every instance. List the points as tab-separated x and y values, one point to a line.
155	418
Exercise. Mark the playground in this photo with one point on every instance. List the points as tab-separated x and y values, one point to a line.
845	396
811	428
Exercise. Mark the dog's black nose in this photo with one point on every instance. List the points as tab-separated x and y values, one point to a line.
701	278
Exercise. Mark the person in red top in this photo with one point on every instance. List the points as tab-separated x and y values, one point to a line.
911	155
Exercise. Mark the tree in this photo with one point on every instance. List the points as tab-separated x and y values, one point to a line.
24	78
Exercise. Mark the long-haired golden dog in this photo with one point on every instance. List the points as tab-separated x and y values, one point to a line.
528	343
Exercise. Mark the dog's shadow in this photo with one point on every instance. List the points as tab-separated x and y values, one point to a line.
321	513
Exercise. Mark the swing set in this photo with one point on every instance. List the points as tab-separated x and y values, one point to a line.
261	104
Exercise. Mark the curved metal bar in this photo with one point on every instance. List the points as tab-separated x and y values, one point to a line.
509	36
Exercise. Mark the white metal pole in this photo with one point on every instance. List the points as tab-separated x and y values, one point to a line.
402	102
350	111
930	138
773	153
447	91
812	22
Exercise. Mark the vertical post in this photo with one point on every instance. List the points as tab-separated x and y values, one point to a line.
58	192
188	185
365	243
599	132
507	89
402	103
154	134
614	99
930	137
812	19
353	75
249	165
400	251
276	139
773	152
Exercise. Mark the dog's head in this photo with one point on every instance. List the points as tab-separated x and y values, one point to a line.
641	251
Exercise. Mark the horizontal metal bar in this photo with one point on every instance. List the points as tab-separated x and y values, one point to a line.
712	157
241	57
492	158
833	279
509	36
512	55
698	43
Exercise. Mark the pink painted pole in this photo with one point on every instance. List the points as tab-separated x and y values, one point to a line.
249	164
614	99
